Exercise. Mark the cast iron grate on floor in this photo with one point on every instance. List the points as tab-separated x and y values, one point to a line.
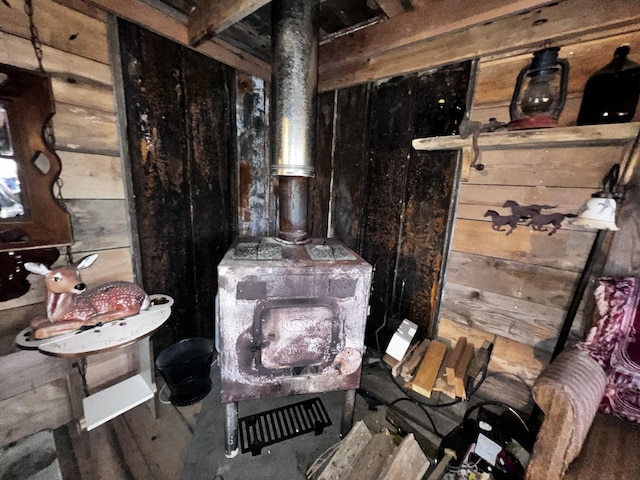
273	426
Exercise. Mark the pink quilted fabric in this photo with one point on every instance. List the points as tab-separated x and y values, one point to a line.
613	343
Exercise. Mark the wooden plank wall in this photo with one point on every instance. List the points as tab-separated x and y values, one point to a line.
514	290
77	57
180	116
381	198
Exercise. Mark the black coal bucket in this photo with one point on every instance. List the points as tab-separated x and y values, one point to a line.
185	367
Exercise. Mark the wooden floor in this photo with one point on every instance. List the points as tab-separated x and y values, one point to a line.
131	446
137	446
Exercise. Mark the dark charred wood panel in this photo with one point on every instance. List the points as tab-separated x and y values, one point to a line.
320	186
449	83
178	173
350	163
390	203
344	15
156	129
389	135
209	88
430	184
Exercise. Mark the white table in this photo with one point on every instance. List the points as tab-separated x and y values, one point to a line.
102	406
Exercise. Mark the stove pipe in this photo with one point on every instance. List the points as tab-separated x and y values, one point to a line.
294	86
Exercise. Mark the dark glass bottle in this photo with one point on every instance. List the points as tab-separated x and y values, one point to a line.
441	118
611	94
457	115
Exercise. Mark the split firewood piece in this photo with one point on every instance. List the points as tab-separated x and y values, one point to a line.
408	368
480	359
443	387
461	371
454	359
427	374
349	450
407	462
373	458
389	360
402	424
395	369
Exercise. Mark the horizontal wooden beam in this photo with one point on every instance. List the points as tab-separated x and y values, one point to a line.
391	8
211	17
550	25
137	11
588	135
427	21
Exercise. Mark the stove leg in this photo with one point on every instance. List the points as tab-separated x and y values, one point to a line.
347	412
231	430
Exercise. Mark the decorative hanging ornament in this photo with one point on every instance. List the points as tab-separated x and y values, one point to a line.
540	92
48	130
600	210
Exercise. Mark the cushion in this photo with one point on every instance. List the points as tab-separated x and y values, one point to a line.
613	342
609	452
568	391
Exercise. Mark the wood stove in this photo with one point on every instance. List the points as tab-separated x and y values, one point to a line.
291	310
291	320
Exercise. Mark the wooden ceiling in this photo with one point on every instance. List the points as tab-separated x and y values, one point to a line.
364	40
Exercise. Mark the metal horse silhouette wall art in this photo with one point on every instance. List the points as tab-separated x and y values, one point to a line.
528	216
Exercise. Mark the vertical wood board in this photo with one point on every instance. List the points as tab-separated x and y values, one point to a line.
154	92
389	130
210	115
349	163
319	194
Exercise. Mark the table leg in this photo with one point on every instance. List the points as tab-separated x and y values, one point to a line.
147	371
347	412
76	387
231	430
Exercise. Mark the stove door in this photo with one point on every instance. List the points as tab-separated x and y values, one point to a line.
295	334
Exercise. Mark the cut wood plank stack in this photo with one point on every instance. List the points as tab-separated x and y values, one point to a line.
368	456
411	361
430	367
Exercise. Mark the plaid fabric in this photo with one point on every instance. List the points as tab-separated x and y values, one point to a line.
613	344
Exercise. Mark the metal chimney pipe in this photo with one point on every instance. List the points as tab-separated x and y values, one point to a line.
294	87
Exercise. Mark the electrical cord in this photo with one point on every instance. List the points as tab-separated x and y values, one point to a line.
498	404
423	405
472	391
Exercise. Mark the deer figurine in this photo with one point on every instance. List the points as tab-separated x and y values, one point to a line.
71	306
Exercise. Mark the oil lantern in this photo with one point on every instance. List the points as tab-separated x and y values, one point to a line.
540	91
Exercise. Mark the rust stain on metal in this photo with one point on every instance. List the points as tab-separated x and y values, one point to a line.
347	361
302	334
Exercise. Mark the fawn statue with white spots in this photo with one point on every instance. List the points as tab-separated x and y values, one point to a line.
71	306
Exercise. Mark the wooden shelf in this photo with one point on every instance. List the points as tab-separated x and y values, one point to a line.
115	400
587	135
